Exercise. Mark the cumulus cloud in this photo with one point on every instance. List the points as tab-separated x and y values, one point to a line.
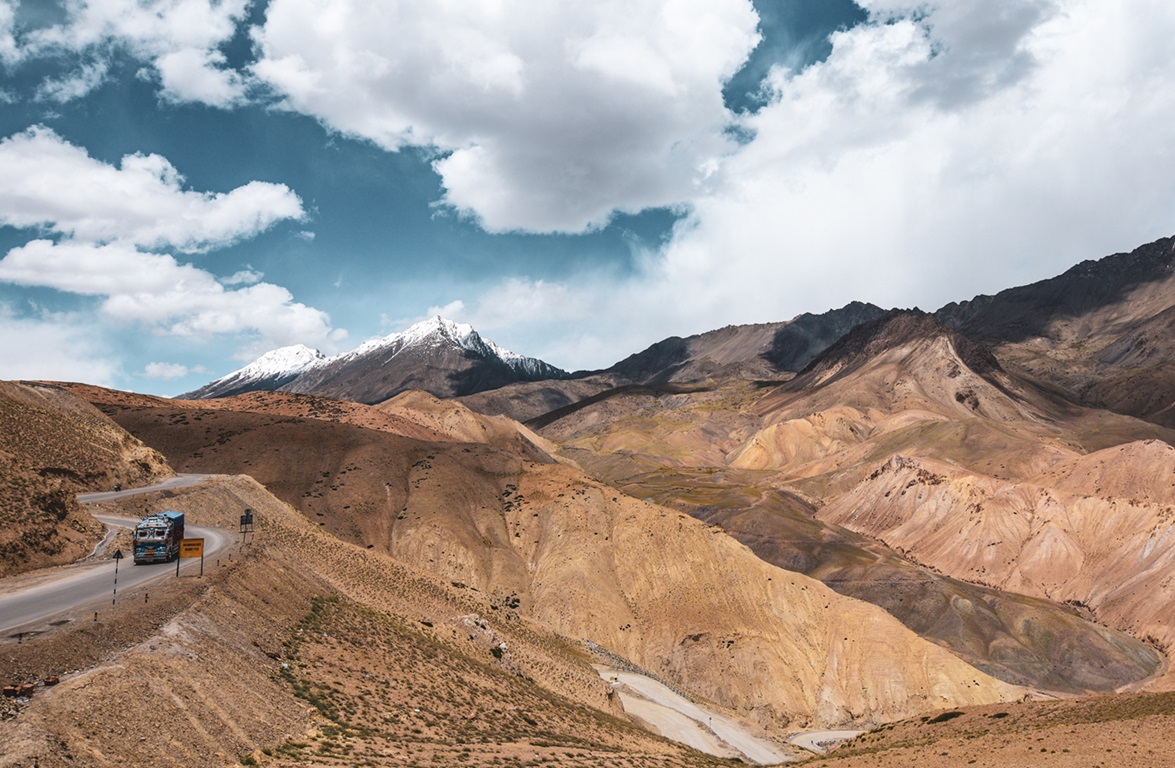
179	37
165	371
621	109
246	276
108	219
73	86
928	159
53	184
193	74
155	290
866	179
56	347
8	48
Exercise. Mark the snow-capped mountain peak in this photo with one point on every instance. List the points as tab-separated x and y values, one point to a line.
281	361
270	371
437	331
438	355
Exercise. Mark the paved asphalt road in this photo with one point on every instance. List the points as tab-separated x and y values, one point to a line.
179	481
30	603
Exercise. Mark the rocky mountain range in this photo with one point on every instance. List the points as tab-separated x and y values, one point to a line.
867	519
1099	333
436	356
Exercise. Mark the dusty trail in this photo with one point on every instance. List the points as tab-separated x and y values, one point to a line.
683	721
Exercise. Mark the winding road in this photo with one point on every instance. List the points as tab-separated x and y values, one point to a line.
30	603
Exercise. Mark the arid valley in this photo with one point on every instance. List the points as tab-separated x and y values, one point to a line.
948	532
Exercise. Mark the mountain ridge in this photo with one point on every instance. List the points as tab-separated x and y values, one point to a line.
458	360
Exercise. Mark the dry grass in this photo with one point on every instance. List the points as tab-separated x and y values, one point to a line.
1104	732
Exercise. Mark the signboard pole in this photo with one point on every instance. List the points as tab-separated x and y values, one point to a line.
191	548
246	527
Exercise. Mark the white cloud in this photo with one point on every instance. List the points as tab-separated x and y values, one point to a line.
165	371
169	297
75	85
870	178
9	51
192	74
179	37
451	311
54	347
107	219
550	116
54	184
930	158
246	276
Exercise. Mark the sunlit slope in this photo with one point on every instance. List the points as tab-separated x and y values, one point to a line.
1096	530
53	445
583	560
1016	638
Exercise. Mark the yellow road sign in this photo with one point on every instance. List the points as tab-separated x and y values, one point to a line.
192	548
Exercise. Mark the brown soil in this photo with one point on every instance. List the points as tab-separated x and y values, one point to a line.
502	517
1105	732
52	445
265	660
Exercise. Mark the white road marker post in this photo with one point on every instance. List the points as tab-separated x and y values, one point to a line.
117	557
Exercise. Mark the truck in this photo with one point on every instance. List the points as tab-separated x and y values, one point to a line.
158	536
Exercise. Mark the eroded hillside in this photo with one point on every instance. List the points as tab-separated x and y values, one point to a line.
906	389
53	445
304	648
576	556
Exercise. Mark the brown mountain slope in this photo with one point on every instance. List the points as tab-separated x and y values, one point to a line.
900	386
273	403
1124	730
908	385
766	351
60	435
1100	331
1018	639
53	445
1095	530
572	554
310	650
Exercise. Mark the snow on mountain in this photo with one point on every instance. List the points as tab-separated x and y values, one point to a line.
434	347
270	371
441	332
282	361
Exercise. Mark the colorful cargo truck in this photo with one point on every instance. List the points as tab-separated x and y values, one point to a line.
158	536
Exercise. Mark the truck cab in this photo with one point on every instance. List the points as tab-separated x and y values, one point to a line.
157	537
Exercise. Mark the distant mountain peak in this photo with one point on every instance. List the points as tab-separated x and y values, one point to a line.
271	371
438	355
293	358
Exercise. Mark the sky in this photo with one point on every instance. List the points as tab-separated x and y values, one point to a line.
187	184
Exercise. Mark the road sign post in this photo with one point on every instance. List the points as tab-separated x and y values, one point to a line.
117	557
246	525
191	548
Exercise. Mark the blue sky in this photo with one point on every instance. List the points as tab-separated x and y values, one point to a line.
185	184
